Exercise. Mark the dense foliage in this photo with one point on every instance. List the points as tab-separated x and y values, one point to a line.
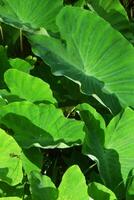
66	100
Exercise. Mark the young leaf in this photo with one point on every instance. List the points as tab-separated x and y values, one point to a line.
42	188
112	148
101	62
28	87
20	64
10	160
41	125
30	15
73	185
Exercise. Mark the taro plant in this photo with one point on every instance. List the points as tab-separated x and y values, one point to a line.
66	100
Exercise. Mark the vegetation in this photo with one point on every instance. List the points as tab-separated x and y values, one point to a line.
66	100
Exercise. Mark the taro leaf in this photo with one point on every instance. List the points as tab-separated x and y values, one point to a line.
101	62
28	87
112	147
42	188
4	65
10	161
41	125
20	64
98	191
30	15
130	186
73	185
113	12
32	160
10	198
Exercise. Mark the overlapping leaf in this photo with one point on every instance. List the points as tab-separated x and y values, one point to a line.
28	87
101	62
112	147
10	160
98	191
42	188
30	15
20	64
43	125
114	13
73	185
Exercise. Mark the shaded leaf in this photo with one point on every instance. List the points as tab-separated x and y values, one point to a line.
32	160
4	65
112	147
42	126
130	186
42	188
98	191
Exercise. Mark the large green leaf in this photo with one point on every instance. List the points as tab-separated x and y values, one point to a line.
10	160
101	62
30	15
43	125
28	87
112	147
114	13
98	191
73	185
42	188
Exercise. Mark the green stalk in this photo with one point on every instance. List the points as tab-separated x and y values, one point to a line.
1	32
21	41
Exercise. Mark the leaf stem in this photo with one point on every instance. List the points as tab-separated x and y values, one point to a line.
21	41
1	32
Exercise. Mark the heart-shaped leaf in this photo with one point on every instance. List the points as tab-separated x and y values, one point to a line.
30	15
101	62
